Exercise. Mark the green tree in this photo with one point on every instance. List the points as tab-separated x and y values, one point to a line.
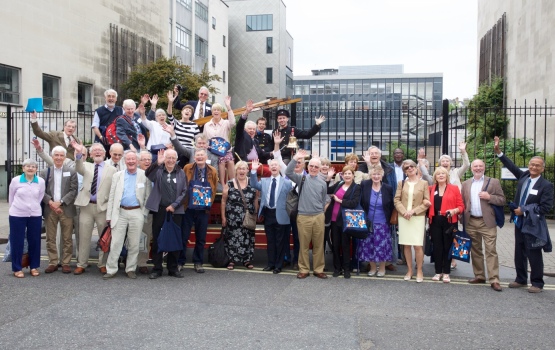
160	76
486	114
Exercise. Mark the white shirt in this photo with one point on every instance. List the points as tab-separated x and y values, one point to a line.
57	195
475	207
270	190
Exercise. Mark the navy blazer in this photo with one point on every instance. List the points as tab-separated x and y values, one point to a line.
351	200
387	198
264	186
127	133
207	106
244	143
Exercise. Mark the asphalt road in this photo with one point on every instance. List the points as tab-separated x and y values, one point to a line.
258	310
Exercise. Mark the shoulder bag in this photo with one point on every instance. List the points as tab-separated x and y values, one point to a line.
355	223
499	210
249	221
292	204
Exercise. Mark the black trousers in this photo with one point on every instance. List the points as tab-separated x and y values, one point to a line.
341	247
442	244
157	258
275	238
523	255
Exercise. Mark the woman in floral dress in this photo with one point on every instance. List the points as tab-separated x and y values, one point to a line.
239	241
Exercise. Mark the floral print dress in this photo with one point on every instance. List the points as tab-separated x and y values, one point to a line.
239	241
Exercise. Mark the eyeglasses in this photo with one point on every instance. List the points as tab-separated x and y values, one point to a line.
313	166
203	94
408	167
117	154
535	165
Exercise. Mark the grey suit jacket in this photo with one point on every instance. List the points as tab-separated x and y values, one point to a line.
55	138
281	196
68	190
497	198
103	193
142	191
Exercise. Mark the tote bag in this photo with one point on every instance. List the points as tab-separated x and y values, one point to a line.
169	239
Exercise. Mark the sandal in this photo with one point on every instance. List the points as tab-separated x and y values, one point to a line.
230	266
19	274
437	277
35	272
446	279
248	265
453	265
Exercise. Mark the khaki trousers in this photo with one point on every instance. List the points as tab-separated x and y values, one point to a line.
130	222
88	216
479	232
311	229
66	224
147	230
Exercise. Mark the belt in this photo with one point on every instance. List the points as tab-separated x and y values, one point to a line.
476	217
129	208
93	202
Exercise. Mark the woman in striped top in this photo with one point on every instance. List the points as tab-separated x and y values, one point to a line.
185	130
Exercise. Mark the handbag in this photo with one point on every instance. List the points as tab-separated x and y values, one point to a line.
217	255
394	220
169	239
219	146
200	195
460	248
355	223
249	220
292	202
105	240
499	210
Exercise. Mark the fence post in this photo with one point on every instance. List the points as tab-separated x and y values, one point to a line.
8	164
445	128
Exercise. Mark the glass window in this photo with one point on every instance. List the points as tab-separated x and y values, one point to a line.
298	89
9	84
223	76
213	61
201	11
183	37
269	44
213	22
84	97
201	47
259	22
290	58
186	3
269	75
51	91
224	40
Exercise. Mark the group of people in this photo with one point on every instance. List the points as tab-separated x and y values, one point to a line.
160	171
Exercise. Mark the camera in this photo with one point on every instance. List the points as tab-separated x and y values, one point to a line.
179	87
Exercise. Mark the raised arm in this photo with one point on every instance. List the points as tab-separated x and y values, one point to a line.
516	171
466	161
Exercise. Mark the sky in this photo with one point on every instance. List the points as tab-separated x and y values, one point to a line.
426	36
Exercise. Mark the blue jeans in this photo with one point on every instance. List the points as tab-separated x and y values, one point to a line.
198	219
19	228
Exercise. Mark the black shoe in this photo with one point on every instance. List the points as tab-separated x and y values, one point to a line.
199	268
150	262
154	275
276	271
347	274
268	268
336	273
177	274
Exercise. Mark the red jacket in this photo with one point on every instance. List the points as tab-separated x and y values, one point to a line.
452	199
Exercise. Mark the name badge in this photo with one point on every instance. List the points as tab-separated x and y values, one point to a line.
534	192
140	185
67	173
175	180
435	193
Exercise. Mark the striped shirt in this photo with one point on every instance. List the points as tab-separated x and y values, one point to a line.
185	131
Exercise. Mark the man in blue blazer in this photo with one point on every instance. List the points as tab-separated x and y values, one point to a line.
272	206
534	197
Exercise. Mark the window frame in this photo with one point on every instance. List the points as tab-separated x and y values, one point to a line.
255	23
84	106
269	75
269	44
51	102
13	89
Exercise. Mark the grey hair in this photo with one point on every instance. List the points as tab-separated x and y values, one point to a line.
110	91
204	88
376	147
538	157
125	153
115	145
160	111
445	156
128	102
197	150
59	149
250	122
201	137
29	161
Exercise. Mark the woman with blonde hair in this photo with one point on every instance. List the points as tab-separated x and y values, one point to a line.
446	204
412	199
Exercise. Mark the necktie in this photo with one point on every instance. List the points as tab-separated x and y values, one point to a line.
201	110
518	222
95	180
273	194
68	141
116	166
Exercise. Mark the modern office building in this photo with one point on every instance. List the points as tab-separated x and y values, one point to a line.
367	105
260	51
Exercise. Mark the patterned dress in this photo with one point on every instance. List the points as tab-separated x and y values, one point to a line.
239	242
377	246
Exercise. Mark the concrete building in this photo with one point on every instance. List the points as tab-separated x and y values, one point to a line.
368	105
260	51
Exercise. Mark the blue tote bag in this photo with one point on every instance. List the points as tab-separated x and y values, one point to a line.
169	239
200	193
